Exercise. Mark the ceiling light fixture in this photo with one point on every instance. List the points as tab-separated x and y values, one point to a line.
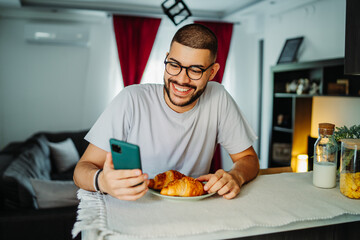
176	10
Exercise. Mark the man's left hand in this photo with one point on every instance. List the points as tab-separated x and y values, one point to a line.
223	183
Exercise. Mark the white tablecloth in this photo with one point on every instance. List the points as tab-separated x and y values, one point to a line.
268	201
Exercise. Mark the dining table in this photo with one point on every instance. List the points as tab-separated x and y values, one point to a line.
268	207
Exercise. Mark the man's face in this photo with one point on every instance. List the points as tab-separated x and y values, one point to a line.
182	93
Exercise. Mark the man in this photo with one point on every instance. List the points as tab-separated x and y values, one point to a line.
176	125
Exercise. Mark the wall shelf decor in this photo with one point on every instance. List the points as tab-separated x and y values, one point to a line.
292	108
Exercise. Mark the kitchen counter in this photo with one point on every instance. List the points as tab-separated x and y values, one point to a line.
272	205
342	227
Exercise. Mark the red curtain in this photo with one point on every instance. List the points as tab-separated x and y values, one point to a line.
135	37
223	32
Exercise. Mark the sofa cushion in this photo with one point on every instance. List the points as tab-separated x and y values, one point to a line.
52	194
77	137
64	155
34	162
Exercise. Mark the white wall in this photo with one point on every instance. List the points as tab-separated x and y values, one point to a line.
103	79
38	82
42	86
241	78
341	111
323	26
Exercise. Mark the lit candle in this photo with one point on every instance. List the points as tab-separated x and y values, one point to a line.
302	163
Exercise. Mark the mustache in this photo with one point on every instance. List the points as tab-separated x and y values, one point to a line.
182	85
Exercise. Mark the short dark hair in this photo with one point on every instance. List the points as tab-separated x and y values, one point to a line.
197	36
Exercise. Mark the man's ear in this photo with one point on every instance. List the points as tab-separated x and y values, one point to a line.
215	68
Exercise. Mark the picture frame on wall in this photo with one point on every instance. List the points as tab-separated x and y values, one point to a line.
290	50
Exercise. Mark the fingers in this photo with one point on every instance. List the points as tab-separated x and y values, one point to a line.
132	193
118	182
230	190
129	189
123	184
213	184
120	173
231	195
204	178
133	197
223	183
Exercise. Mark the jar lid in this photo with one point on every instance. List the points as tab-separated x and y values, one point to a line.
351	143
326	128
327	125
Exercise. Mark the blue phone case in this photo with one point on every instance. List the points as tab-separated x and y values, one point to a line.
125	155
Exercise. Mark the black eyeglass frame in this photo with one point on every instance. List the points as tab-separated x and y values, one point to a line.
187	69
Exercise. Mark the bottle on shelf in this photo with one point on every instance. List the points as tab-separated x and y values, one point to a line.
325	157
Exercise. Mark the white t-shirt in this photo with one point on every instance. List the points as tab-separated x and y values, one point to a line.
169	140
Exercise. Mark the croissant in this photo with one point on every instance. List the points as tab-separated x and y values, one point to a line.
162	180
184	187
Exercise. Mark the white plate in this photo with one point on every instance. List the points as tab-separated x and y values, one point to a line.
157	193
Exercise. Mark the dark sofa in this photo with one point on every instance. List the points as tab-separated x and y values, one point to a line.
21	163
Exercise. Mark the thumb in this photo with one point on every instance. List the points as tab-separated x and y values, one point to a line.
108	161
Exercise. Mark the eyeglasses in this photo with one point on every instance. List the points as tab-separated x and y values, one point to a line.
193	72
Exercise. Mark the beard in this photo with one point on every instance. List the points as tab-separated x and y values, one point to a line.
193	98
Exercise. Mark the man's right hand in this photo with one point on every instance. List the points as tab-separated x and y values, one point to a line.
122	184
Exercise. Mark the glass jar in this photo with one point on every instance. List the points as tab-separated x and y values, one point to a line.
350	168
325	157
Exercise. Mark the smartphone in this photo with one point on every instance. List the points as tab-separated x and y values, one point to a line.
125	155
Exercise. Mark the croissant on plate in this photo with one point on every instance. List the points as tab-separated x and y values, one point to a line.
184	187
162	180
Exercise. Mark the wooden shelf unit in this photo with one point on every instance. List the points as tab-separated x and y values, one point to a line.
291	113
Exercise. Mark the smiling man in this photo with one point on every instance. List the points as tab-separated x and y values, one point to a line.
176	125
183	88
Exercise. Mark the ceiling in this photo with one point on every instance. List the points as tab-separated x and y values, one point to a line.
199	8
205	9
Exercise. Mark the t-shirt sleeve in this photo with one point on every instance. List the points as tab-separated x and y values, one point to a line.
234	132
118	113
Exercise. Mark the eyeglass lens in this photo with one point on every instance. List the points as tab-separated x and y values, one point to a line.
192	72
